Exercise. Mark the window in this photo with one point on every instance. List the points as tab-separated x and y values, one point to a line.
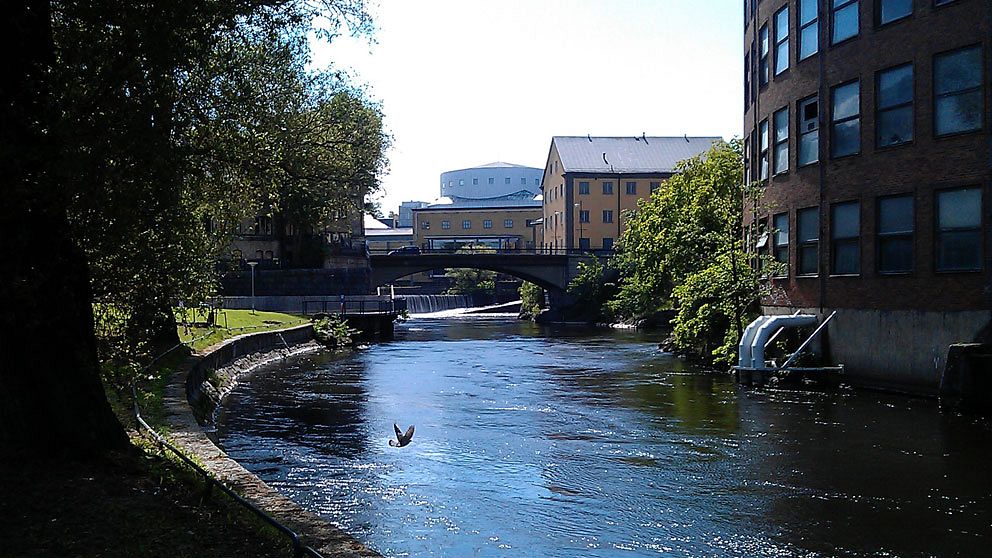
466	224
507	223
487	223
781	122
608	188
894	116
808	240
425	225
845	241
607	243
888	11
584	243
781	239
584	216
475	181
809	29
537	182
809	131
782	40
845	123
607	215
583	188
631	188
461	182
763	153
445	224
506	180
492	180
655	186
959	230
747	81
845	20
747	161
957	84
763	59
895	234
523	181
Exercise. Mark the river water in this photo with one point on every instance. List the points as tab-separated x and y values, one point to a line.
564	442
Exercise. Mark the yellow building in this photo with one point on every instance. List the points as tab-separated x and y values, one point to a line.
589	182
503	227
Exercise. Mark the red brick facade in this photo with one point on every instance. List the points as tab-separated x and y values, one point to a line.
922	167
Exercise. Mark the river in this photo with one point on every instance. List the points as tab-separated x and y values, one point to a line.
565	442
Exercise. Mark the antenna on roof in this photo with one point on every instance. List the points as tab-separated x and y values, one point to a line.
589	138
643	137
686	136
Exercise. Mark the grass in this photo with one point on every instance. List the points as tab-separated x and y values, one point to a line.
230	323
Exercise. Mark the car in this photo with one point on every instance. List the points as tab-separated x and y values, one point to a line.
404	251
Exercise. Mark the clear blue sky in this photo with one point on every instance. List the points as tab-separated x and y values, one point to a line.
466	82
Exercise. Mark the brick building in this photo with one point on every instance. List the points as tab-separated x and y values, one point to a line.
867	123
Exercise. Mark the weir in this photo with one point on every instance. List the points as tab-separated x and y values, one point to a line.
425	304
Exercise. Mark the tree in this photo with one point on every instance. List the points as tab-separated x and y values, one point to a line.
104	104
591	291
682	249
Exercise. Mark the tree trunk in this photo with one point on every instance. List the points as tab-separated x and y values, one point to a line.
51	397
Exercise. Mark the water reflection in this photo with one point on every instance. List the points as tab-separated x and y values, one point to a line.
535	442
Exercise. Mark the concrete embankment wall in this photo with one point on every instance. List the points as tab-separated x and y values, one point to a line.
214	374
902	350
186	432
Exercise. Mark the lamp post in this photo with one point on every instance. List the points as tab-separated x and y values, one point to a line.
579	205
252	266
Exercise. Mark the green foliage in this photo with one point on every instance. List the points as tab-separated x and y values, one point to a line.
171	115
715	304
470	281
591	292
531	300
334	331
682	249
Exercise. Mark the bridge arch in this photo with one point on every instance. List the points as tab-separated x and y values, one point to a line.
550	272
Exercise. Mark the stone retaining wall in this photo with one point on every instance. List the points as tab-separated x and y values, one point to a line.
192	388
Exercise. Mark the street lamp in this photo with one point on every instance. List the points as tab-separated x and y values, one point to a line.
252	266
579	205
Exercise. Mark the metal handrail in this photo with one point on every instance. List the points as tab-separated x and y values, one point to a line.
299	549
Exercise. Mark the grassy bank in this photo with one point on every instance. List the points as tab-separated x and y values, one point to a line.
230	323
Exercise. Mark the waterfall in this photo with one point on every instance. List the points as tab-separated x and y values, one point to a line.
426	304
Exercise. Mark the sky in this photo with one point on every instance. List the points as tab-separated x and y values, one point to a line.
465	82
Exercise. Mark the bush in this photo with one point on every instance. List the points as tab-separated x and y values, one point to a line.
333	331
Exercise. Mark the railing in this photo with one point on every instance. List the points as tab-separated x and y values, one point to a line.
353	306
465	250
299	549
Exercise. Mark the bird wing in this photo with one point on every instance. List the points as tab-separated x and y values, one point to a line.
409	433
399	433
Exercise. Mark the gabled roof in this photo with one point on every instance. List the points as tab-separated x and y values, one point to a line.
501	164
611	155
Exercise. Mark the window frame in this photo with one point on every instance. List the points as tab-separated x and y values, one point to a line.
807	245
583	215
630	188
445	224
878	14
882	238
778	142
800	120
583	188
781	247
939	231
911	104
833	20
466	224
802	27
607	187
607	215
763	140
507	223
934	96
487	223
834	122
780	41
764	74
836	241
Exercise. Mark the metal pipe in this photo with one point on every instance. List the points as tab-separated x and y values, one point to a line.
807	341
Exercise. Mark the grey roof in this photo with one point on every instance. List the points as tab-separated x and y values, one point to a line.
627	154
504	201
502	164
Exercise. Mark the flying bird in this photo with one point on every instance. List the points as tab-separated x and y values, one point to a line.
402	438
